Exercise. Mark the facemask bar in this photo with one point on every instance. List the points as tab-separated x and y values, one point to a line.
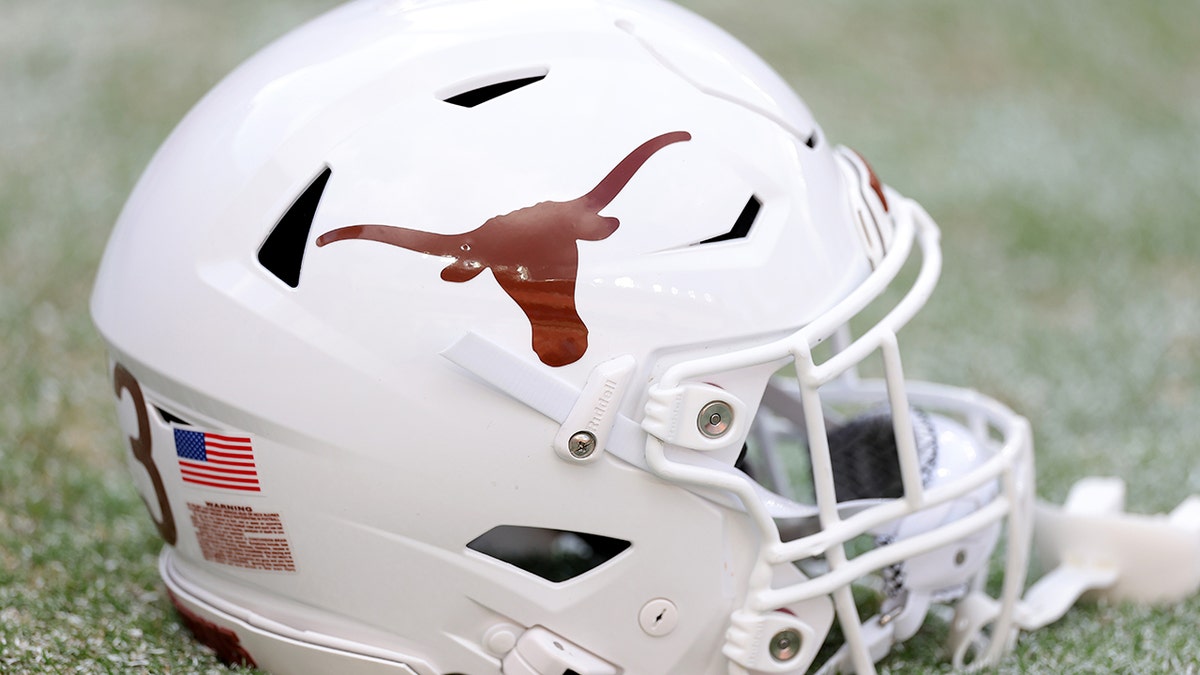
999	432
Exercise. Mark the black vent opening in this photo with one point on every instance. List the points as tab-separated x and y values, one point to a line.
172	419
741	226
474	97
812	140
282	254
554	555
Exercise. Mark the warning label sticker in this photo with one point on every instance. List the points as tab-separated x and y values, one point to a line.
242	537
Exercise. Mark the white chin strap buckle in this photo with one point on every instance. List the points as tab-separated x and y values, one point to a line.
1150	558
1097	548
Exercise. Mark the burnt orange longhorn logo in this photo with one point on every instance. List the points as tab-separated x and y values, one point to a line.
532	253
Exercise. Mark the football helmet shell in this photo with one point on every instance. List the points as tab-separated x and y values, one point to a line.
426	290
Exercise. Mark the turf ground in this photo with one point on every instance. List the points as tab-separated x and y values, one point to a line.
1056	141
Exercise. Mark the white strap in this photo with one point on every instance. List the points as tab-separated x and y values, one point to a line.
1150	558
539	389
536	388
1049	599
1096	547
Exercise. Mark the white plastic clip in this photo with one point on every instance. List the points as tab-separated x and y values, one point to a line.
674	417
868	198
776	642
595	411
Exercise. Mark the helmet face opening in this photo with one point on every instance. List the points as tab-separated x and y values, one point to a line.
514	336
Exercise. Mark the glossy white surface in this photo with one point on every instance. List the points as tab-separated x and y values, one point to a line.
382	458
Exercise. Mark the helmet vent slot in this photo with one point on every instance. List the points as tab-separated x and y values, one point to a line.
282	254
554	555
741	226
487	92
169	418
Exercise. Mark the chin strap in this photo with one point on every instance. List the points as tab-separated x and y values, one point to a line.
1097	548
1094	546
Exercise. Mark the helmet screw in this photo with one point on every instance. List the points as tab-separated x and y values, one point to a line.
714	419
581	444
785	645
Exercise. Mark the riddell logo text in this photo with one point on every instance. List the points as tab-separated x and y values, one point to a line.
532	253
600	411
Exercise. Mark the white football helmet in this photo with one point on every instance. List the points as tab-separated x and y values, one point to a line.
514	336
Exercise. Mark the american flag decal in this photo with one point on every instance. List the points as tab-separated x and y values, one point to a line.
214	460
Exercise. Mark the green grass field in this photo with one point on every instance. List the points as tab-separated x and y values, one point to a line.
1056	141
